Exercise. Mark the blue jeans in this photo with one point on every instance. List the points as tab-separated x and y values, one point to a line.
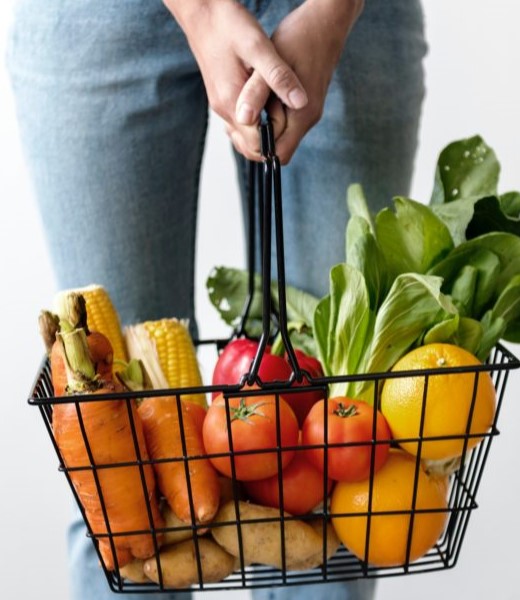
113	116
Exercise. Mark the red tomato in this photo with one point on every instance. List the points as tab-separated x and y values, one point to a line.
236	358
197	412
302	402
253	428
302	487
350	423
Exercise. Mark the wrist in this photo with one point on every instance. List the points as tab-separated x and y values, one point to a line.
189	12
340	12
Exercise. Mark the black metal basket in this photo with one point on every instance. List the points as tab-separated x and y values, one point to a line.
463	482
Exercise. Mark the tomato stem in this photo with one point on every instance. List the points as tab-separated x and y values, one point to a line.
344	411
243	412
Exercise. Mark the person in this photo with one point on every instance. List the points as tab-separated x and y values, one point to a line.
112	101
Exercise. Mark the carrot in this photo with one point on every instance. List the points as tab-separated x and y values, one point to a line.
162	430
100	348
108	429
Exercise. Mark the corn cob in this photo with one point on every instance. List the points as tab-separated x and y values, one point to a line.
101	316
166	349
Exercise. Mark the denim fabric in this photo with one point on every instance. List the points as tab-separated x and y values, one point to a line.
113	116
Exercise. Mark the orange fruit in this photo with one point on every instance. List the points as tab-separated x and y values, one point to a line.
393	487
449	398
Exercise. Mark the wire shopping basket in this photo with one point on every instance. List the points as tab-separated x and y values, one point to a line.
246	547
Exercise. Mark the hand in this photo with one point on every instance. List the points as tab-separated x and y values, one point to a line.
310	39
229	44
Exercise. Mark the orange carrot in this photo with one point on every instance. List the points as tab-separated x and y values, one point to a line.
162	430
108	429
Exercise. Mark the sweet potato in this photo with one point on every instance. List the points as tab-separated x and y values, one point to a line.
134	571
261	542
179	564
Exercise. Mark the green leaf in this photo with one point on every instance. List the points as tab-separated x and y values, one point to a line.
469	334
228	290
461	331
466	168
471	260
342	321
365	255
479	271
493	329
463	289
358	206
300	305
507	308
510	204
456	216
497	257
444	331
322	320
413	306
413	238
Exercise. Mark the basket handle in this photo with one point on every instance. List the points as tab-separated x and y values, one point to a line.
265	189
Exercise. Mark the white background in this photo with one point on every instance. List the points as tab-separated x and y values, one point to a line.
473	73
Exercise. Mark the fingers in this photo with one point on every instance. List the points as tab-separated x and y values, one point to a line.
270	74
246	138
297	125
280	77
252	99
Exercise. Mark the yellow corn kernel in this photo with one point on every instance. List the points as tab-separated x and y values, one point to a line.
101	316
166	349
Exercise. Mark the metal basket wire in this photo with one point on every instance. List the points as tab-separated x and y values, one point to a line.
464	482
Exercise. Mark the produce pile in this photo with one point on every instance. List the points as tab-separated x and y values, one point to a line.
422	288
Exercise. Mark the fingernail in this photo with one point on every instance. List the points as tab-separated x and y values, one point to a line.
245	114
297	98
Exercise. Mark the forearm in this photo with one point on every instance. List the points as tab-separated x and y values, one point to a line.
185	12
337	17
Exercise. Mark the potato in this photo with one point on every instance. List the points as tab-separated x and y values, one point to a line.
179	564
261	542
176	535
134	571
316	560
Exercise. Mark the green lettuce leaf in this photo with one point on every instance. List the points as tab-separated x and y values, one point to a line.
362	249
414	305
413	238
466	168
342	322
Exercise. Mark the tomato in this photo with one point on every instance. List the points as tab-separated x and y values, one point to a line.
302	402
350	423
253	428
197	412
235	361
302	485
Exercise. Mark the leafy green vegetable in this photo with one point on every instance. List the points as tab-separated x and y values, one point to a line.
228	290
510	204
352	339
413	305
465	169
413	238
362	248
417	274
342	321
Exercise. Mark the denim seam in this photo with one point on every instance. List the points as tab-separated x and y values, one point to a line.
195	206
